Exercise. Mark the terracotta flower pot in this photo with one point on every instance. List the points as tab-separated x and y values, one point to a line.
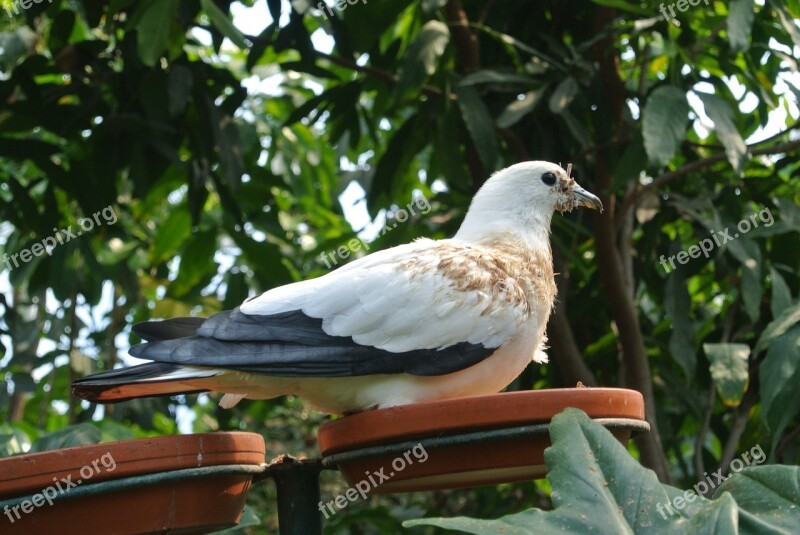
503	437
184	483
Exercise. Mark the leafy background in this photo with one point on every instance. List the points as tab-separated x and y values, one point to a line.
231	154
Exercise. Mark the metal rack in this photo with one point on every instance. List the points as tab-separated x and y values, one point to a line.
297	481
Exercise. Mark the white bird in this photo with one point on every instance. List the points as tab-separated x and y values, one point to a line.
424	321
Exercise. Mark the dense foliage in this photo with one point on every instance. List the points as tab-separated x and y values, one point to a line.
203	162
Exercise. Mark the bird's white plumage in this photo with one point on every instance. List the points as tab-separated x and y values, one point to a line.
490	287
399	300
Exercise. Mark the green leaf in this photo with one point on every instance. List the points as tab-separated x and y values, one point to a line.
179	89
723	116
749	255
13	440
788	23
479	125
740	23
781	297
664	120
421	57
729	370
406	143
520	108
197	263
677	304
779	375
563	95
153	29
720	517
599	488
593	477
508	80
171	234
61	30
74	435
221	22
778	326
770	495
624	6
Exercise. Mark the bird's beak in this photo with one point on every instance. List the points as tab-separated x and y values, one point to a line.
586	198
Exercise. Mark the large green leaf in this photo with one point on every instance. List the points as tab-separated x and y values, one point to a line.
563	95
154	29
722	114
171	234
767	497
740	23
599	488
520	108
729	370
396	161
677	304
197	263
779	377
479	125
421	57
593	477
664	120
789	317
781	297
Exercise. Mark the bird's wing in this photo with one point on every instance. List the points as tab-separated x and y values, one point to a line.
425	308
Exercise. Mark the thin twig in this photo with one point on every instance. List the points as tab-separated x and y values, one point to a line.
791	438
737	429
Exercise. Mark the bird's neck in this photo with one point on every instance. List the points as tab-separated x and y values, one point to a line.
492	229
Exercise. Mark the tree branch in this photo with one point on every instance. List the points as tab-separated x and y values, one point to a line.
699	465
610	264
464	39
380	74
671	176
568	359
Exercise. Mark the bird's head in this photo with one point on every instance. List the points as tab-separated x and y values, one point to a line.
522	199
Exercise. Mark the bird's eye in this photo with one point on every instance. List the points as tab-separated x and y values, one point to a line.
549	179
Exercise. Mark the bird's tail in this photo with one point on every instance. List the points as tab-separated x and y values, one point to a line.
152	379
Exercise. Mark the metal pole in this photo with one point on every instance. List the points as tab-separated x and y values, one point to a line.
298	499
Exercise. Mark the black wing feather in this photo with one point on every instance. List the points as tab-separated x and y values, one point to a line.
292	344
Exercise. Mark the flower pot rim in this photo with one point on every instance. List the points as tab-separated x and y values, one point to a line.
30	473
474	413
